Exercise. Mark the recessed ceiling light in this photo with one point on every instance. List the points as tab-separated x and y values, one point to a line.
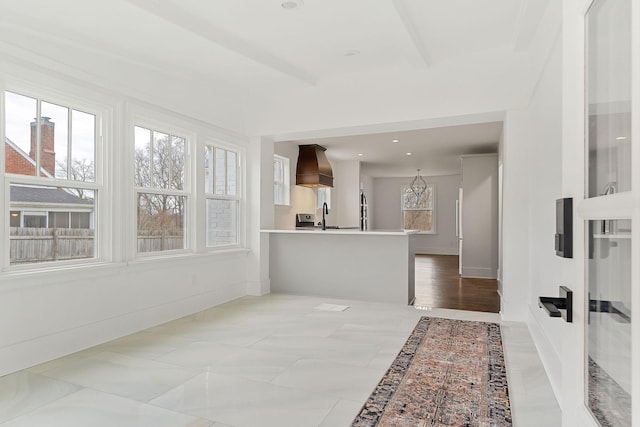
360	154
351	53
408	154
291	4
621	137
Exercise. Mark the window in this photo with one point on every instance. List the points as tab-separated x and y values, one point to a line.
161	190
324	196
222	194
281	180
47	141
418	209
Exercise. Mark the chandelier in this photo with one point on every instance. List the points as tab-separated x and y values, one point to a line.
418	186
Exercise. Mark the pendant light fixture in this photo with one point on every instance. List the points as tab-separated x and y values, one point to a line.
418	186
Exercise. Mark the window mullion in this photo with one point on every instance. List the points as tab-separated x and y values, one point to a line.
170	159
38	137
226	172
69	133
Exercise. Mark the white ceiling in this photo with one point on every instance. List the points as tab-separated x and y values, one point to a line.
435	151
232	60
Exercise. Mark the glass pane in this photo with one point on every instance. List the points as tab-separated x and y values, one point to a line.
161	221
609	322
608	96
177	162
232	164
80	220
40	224
142	139
208	170
220	171
278	196
277	171
14	219
59	219
20	116
160	160
324	196
417	200
54	140
418	220
83	142
222	222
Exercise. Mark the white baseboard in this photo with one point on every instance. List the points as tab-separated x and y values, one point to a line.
430	250
548	355
479	272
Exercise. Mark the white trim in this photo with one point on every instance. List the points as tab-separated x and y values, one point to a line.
239	197
66	96
286	181
432	209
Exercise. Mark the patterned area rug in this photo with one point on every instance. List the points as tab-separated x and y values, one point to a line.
449	373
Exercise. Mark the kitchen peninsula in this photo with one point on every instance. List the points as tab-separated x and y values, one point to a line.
343	263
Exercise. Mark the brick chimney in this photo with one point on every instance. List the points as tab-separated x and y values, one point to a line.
47	153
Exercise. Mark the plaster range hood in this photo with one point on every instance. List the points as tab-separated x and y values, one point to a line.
313	169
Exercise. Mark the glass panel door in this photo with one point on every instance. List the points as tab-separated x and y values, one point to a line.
609	322
609	97
608	242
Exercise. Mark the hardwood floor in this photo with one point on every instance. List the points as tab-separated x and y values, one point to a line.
439	285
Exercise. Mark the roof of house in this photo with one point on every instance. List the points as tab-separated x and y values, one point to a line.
43	195
21	152
48	195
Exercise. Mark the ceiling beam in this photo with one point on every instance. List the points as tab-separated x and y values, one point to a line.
412	30
178	16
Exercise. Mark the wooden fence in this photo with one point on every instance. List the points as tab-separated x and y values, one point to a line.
29	245
49	244
154	241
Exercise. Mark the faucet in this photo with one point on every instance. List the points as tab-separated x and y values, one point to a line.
325	211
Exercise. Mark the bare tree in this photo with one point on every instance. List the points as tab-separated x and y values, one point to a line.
160	165
81	170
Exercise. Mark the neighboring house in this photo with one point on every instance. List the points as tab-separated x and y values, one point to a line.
43	207
47	207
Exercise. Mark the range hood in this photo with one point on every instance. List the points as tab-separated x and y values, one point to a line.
313	169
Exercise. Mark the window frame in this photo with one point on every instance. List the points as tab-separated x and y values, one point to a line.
432	209
285	166
65	96
169	128
239	197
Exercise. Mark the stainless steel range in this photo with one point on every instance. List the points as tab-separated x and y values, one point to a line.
305	221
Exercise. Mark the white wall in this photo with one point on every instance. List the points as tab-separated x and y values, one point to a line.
53	310
479	257
347	190
545	155
515	216
531	156
387	215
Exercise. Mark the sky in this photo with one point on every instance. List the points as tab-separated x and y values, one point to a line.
21	111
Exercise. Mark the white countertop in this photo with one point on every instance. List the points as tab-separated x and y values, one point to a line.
344	231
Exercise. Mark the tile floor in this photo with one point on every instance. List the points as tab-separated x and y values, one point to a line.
276	360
